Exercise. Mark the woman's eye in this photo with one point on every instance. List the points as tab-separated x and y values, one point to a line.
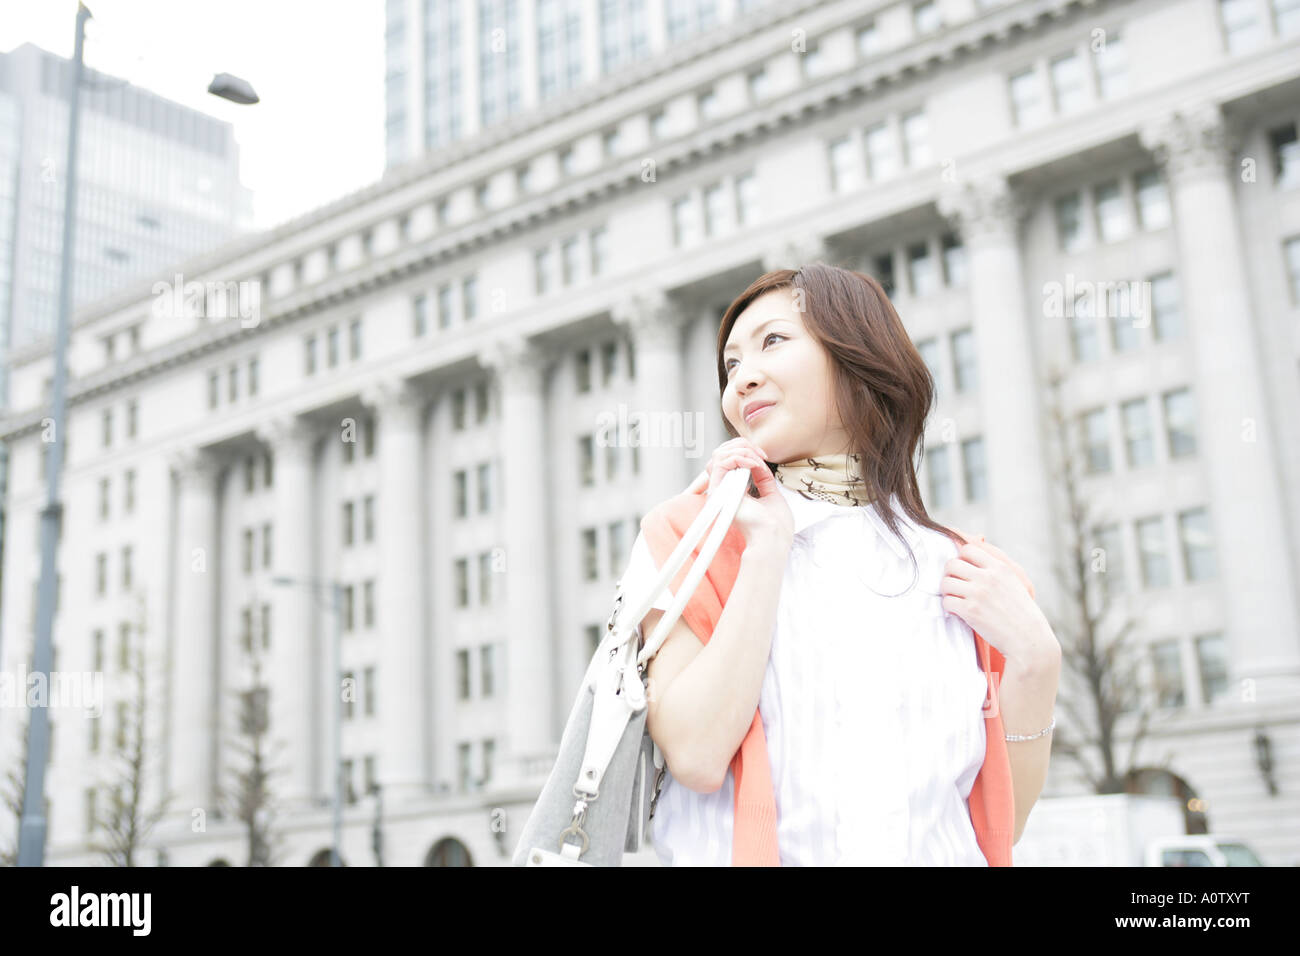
765	339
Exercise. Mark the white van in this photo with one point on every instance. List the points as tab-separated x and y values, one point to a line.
1210	849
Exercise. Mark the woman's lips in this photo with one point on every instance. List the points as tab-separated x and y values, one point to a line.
756	413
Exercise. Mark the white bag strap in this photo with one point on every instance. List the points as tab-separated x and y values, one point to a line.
730	490
618	693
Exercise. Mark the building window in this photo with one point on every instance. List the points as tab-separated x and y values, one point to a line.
954	261
757	83
717	215
368	603
587	460
309	354
248	550
1166	312
973	469
1285	149
590	565
1096	441
1198	545
349	620
869	43
354	338
484	472
266	545
542	271
347	524
370	692
1067	83
920	269
1139	444
608	361
1152	200
686	229
1151	548
598	245
462	674
1069	222
458	410
1112	69
126	568
1243	28
420	314
916	139
103	499
487	675
1168	673
469	298
926	16
569	261
747	208
1286	14
368	517
1180	422
101	573
658	124
252	378
1212	662
1124	335
1112	212
882	157
707	103
1027	106
846	172
462	582
963	356
929	351
129	503
485	578
482	403
617	548
939	476
582	367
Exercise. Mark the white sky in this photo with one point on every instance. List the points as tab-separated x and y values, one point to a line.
318	67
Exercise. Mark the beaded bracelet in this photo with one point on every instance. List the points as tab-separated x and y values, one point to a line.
1033	736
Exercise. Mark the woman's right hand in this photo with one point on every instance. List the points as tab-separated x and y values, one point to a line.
765	519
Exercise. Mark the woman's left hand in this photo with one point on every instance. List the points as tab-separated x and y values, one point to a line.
991	593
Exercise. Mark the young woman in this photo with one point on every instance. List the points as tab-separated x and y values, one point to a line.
849	624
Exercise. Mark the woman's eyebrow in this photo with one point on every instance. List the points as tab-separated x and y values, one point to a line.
754	334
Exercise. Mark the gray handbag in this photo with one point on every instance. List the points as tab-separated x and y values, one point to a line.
596	804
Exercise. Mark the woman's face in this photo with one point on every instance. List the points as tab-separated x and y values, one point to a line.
771	357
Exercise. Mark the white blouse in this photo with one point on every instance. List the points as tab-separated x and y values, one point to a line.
844	661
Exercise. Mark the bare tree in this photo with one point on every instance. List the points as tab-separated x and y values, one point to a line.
1100	683
251	800
124	827
12	796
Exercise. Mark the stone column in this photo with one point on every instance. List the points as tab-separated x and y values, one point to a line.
1236	428
299	659
403	663
655	324
987	213
192	723
531	732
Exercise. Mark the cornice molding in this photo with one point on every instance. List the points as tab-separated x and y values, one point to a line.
905	64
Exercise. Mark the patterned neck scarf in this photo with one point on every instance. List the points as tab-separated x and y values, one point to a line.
833	478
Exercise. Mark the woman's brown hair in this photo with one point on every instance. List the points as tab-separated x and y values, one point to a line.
882	386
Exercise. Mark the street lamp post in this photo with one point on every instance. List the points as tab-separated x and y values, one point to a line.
31	832
336	606
33	825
